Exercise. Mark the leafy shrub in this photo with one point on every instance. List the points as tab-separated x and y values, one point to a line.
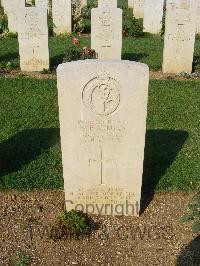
50	24
73	54
7	67
77	16
193	214
92	3
30	3
162	32
123	4
50	5
9	34
86	15
72	225
77	52
45	71
132	27
3	23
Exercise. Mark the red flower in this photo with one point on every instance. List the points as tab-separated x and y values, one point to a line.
75	41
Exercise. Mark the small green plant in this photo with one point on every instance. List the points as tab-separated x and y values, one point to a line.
21	259
132	27
6	67
73	54
189	75
71	225
3	23
45	71
193	214
77	52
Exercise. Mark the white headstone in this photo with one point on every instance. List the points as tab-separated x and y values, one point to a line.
180	29
33	39
42	3
2	3
138	8
153	15
12	9
107	3
62	16
198	17
106	32
103	125
130	3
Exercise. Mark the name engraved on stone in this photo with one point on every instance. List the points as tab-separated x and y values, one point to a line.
101	130
106	34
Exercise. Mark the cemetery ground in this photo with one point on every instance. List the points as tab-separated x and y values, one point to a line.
147	49
31	179
32	184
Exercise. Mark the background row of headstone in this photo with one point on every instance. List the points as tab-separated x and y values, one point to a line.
150	11
106	35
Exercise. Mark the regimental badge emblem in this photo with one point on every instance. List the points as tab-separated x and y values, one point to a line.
102	95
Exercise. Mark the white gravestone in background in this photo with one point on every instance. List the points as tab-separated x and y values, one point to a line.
102	112
2	3
106	32
130	3
107	3
12	10
138	8
62	16
198	17
33	39
153	15
42	3
179	40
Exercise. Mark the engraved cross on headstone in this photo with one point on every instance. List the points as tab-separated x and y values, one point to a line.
101	161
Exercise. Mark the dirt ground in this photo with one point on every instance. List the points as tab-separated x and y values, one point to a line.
153	75
155	238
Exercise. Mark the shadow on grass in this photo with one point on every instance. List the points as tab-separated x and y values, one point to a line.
190	255
133	57
24	147
196	63
161	149
8	57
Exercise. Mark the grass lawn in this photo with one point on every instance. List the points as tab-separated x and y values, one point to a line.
29	138
146	50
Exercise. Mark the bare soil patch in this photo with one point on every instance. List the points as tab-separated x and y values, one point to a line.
155	238
153	75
